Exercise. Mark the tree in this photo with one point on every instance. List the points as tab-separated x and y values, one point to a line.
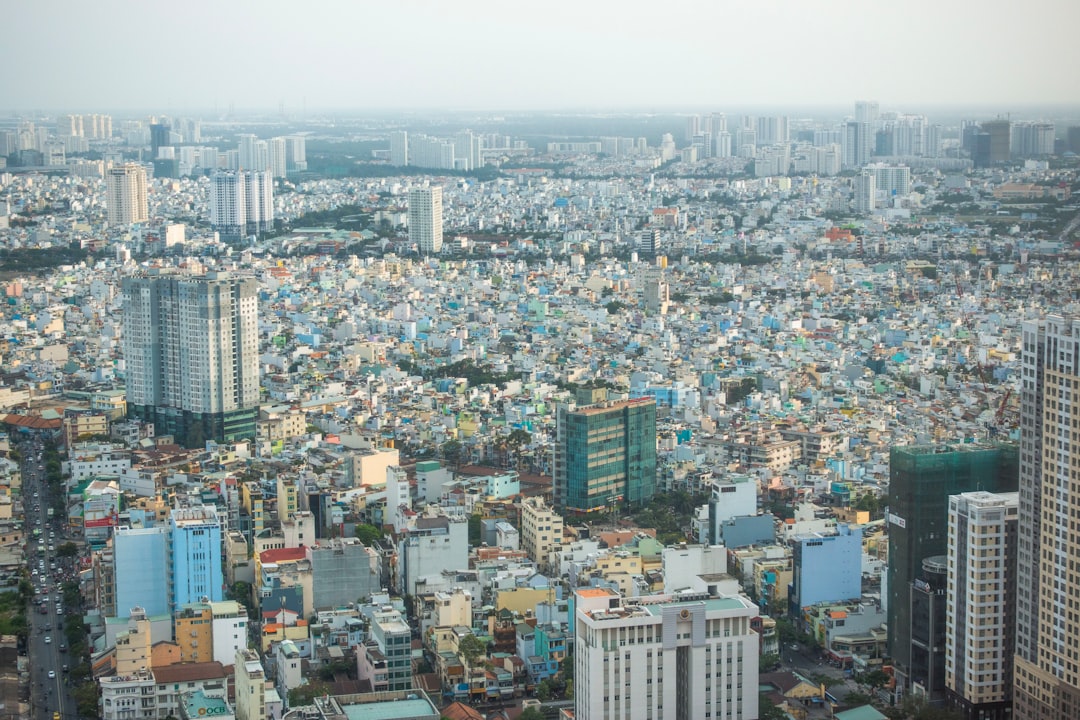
368	534
68	549
471	649
304	694
855	699
767	710
543	690
451	452
768	662
531	714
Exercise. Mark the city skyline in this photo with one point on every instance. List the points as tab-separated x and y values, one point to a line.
597	55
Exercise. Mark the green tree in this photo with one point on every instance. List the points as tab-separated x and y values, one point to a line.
86	699
451	451
68	549
855	699
767	709
768	662
304	694
614	307
471	648
531	714
475	530
368	534
544	691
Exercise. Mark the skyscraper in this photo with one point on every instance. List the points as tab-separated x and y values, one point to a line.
425	219
125	194
921	479
1000	132
981	601
191	354
160	135
605	454
865	192
664	656
399	148
241	203
857	139
1047	663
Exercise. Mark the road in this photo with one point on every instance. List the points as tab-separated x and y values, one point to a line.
806	663
48	695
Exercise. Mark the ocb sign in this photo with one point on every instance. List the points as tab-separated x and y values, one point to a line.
210	712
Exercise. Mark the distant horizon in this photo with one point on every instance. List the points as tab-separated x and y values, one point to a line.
474	55
793	111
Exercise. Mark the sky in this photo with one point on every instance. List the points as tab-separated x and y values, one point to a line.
600	55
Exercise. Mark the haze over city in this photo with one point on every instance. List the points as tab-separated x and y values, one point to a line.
255	56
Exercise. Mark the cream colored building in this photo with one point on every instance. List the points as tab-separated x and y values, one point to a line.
541	532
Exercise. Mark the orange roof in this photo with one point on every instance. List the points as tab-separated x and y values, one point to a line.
837	614
282	555
594	592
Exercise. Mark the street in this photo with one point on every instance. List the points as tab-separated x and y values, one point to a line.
46	643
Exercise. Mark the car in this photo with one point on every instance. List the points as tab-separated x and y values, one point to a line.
48	639
63	648
52	674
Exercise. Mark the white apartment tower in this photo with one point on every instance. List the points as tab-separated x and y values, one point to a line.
191	354
425	219
981	599
865	193
399	148
664	656
125	194
241	203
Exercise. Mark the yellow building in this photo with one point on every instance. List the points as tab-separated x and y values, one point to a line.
541	532
193	628
522	600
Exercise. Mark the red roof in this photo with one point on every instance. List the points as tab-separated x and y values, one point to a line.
282	555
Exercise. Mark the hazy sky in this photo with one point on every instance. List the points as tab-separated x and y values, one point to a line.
174	57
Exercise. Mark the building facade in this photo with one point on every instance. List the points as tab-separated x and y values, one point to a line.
196	555
664	656
921	479
605	454
425	219
981	602
125	194
1047	663
191	355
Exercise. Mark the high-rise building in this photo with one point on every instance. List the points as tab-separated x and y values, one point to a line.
981	602
141	570
160	135
1047	663
125	194
278	157
892	180
1000	135
867	111
399	148
921	479
605	454
664	656
241	203
425	219
196	555
1031	139
295	153
865	192
856	138
827	568
191	355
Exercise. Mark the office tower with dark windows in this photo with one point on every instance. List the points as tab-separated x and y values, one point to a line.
921	479
605	455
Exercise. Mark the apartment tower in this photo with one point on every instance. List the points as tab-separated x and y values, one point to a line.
125	194
981	599
1047	663
425	219
191	354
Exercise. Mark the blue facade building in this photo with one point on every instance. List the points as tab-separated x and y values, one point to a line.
141	561
827	568
196	556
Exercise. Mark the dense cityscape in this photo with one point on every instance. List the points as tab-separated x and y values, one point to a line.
753	413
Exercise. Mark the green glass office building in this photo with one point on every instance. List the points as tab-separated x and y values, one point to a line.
605	455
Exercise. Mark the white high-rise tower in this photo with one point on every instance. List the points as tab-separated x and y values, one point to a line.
125	194
425	219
